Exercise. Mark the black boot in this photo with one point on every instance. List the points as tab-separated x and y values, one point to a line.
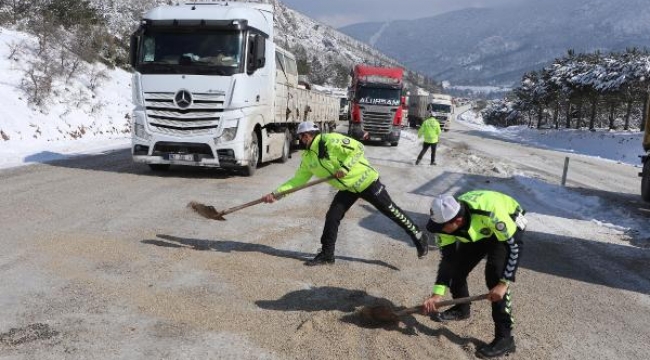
321	259
456	313
498	347
421	244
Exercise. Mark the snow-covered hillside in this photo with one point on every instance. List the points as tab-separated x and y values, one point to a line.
72	114
321	41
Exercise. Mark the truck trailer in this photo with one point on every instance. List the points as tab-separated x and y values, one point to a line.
418	106
422	105
211	89
376	104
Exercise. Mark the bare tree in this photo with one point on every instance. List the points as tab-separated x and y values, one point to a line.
13	50
37	82
73	67
96	76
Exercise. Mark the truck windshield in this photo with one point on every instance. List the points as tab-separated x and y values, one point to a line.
378	96
216	52
441	108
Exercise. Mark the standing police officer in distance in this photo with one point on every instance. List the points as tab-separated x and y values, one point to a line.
430	129
476	225
338	155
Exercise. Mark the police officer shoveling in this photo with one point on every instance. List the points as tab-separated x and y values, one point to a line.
337	155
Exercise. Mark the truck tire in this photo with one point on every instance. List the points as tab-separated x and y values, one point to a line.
645	181
286	148
394	143
159	167
253	156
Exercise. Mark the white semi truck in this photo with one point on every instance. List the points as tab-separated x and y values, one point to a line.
210	88
441	106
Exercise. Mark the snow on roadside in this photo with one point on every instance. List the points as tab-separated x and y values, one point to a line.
74	120
619	146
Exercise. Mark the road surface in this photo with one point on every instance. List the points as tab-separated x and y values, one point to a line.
102	260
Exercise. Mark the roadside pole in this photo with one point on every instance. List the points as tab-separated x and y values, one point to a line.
566	169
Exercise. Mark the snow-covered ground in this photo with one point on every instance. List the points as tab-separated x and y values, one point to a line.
74	120
620	146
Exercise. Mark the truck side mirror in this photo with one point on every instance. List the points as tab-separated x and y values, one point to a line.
133	47
260	51
256	54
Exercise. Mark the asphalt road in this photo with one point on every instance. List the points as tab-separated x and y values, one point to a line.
102	260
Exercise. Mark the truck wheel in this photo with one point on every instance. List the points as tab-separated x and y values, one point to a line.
286	148
645	181
159	167
394	143
253	156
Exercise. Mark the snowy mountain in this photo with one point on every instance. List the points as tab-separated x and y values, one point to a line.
495	46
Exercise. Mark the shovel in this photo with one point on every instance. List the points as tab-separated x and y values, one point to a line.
385	314
209	212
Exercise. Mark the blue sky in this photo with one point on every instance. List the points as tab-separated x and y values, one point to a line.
339	13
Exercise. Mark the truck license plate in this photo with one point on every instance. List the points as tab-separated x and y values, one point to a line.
375	138
181	157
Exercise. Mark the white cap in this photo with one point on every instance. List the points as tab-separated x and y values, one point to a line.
307	126
444	208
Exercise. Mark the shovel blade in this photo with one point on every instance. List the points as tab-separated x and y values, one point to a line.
206	211
380	314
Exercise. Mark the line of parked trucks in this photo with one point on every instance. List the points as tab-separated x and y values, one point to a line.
211	89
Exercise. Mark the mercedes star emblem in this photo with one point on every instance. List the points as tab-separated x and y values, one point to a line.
183	99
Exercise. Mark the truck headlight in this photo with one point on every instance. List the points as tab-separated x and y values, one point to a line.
229	132
139	130
136	90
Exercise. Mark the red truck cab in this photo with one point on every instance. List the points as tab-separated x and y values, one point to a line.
376	105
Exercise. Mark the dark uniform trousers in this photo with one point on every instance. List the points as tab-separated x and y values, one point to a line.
467	256
375	194
425	147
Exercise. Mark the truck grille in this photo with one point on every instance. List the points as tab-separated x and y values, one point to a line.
200	118
378	122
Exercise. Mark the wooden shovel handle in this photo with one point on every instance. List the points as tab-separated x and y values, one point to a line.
279	194
297	188
463	300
